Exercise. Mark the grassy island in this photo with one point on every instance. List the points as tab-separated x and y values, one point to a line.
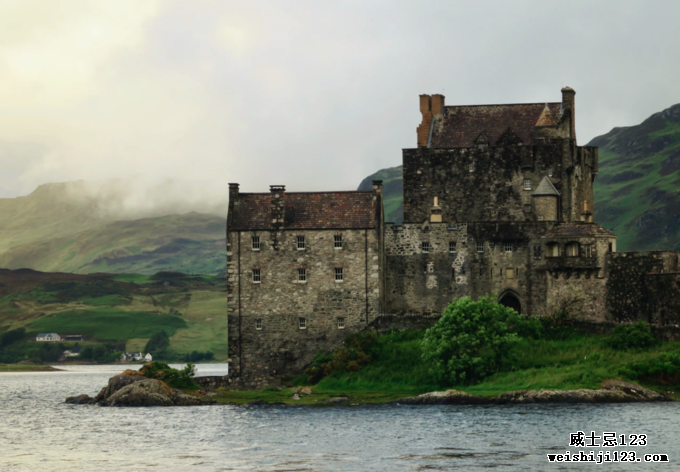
533	354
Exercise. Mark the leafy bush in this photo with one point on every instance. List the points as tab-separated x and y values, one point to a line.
631	336
355	353
173	377
664	369
470	340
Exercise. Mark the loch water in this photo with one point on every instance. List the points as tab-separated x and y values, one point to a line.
39	432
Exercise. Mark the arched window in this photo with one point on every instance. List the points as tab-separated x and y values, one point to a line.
573	249
552	250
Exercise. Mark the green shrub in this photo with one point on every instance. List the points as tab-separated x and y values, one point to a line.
664	369
631	336
469	341
173	377
354	353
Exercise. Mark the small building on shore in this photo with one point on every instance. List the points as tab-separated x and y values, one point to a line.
48	337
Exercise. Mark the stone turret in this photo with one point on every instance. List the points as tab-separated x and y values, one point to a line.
545	199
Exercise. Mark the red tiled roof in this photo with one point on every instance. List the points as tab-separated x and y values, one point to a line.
323	210
460	126
565	230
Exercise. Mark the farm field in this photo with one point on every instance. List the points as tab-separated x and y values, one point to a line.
121	308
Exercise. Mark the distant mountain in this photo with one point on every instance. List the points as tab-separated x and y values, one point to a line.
637	191
393	190
58	228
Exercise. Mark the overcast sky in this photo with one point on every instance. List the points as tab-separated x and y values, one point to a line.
311	94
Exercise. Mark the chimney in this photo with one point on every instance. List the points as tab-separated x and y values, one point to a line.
423	131
437	104
233	199
378	198
377	187
278	209
568	109
436	212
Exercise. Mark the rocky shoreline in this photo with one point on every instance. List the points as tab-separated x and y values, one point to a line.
612	391
133	389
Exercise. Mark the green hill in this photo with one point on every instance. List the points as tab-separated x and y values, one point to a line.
637	192
125	308
59	228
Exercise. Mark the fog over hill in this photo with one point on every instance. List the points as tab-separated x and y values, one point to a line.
114	226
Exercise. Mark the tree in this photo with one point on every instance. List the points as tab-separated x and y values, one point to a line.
470	340
158	341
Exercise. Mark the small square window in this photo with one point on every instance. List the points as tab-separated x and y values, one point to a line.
302	323
302	275
337	241
539	217
550	171
509	273
301	243
480	246
258	324
425	245
472	167
256	243
257	276
517	273
452	246
338	274
537	252
341	323
508	247
527	184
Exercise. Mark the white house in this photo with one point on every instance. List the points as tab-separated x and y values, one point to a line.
48	337
74	352
136	356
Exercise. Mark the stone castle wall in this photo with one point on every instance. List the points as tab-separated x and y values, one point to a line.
277	347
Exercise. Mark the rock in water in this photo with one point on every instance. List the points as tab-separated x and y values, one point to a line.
81	400
133	389
449	397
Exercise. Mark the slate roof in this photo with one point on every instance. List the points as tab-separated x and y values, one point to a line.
546	188
460	126
42	335
575	230
307	210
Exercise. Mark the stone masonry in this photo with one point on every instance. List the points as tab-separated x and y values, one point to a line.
498	200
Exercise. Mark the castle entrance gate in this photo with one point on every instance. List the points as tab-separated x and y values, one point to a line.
511	301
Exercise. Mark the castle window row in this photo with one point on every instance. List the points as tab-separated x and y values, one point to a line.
302	323
300	241
426	247
339	275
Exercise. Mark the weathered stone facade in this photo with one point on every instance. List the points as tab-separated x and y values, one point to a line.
498	200
301	281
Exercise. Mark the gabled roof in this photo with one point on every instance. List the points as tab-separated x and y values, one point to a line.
569	230
307	210
52	335
460	126
545	188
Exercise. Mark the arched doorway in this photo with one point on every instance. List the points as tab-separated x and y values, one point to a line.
511	301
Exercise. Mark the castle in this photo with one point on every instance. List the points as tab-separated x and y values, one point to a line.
498	199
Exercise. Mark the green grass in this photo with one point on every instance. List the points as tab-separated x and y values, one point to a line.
108	323
26	368
581	361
